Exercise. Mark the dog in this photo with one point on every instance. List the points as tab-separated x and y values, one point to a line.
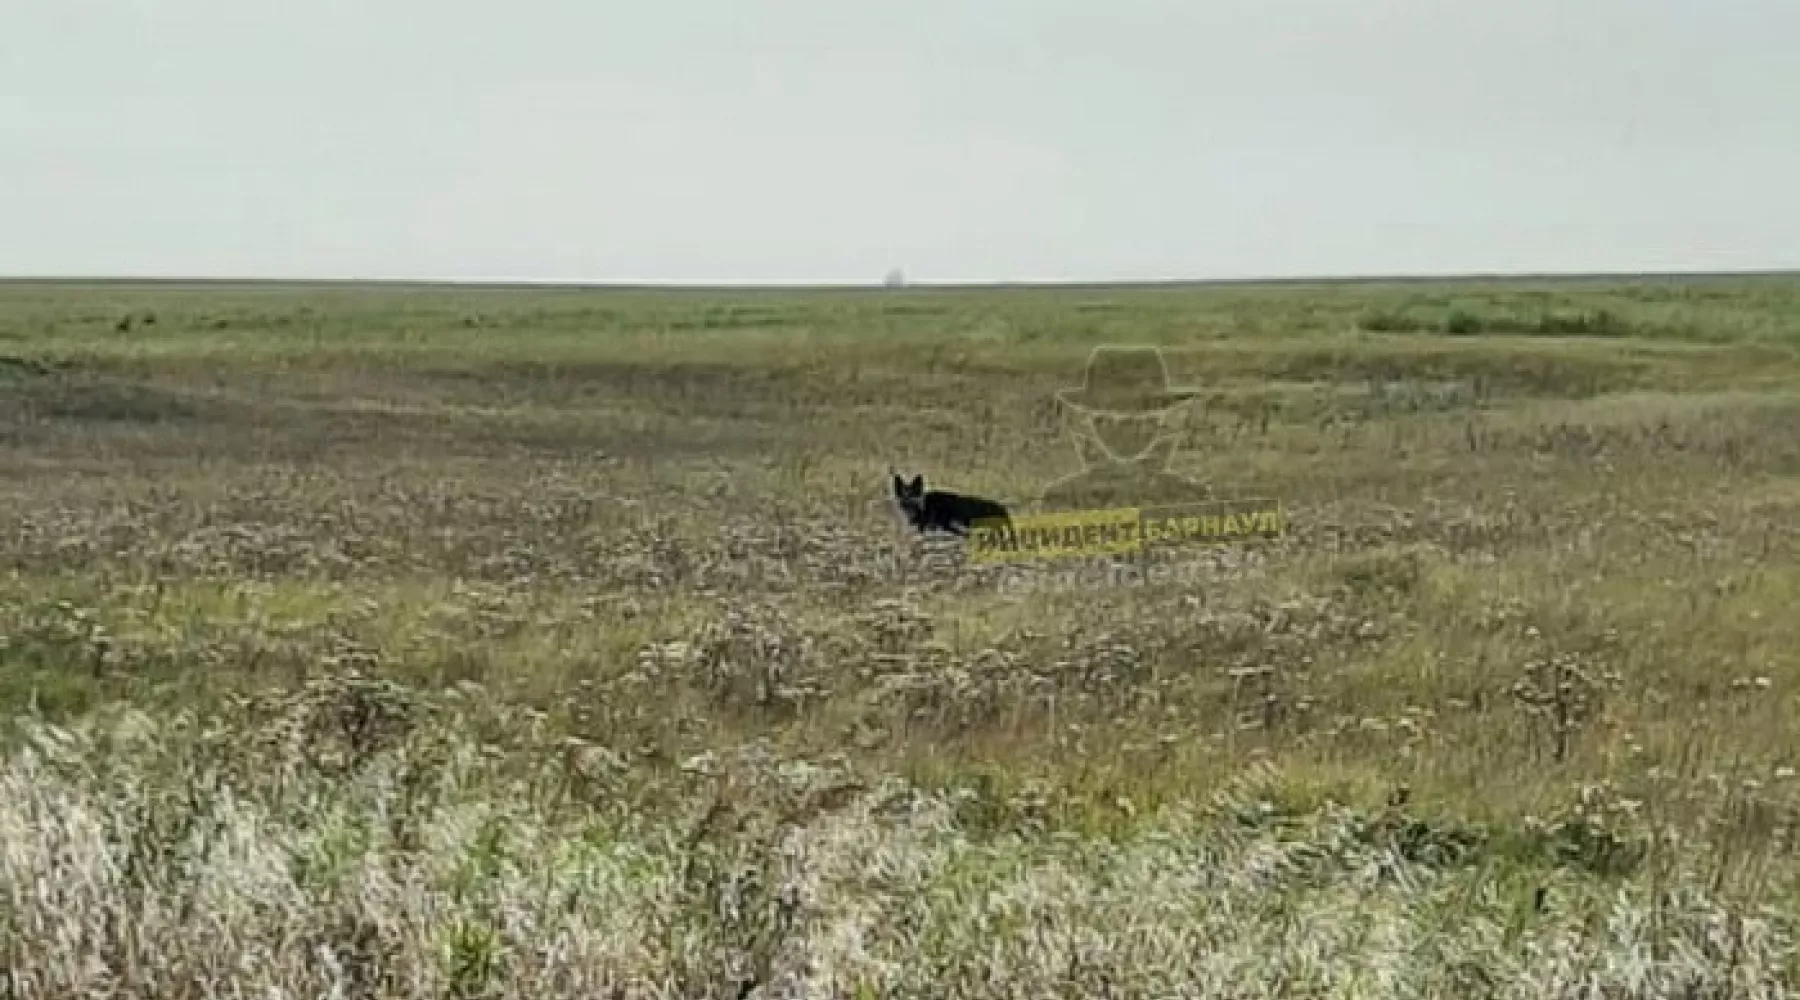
945	511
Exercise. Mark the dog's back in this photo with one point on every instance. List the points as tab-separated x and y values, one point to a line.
957	513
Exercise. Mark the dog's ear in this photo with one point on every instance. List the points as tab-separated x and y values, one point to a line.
918	483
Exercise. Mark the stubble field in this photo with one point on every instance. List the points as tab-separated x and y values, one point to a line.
565	643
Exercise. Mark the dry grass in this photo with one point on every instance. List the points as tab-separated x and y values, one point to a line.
411	642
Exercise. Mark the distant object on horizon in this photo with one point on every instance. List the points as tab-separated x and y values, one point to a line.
896	278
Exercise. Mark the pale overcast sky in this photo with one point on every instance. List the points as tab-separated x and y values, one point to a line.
828	140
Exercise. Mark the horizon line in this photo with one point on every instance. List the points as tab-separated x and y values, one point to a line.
879	285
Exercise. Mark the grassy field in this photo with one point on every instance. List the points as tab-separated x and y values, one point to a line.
452	642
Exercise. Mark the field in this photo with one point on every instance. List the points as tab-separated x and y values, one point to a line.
486	642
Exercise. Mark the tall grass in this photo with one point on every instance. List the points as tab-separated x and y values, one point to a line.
338	843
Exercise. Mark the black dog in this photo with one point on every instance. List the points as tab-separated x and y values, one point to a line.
952	512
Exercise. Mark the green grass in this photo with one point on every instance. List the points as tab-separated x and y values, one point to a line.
425	628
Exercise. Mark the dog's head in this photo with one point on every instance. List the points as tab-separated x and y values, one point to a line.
911	497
